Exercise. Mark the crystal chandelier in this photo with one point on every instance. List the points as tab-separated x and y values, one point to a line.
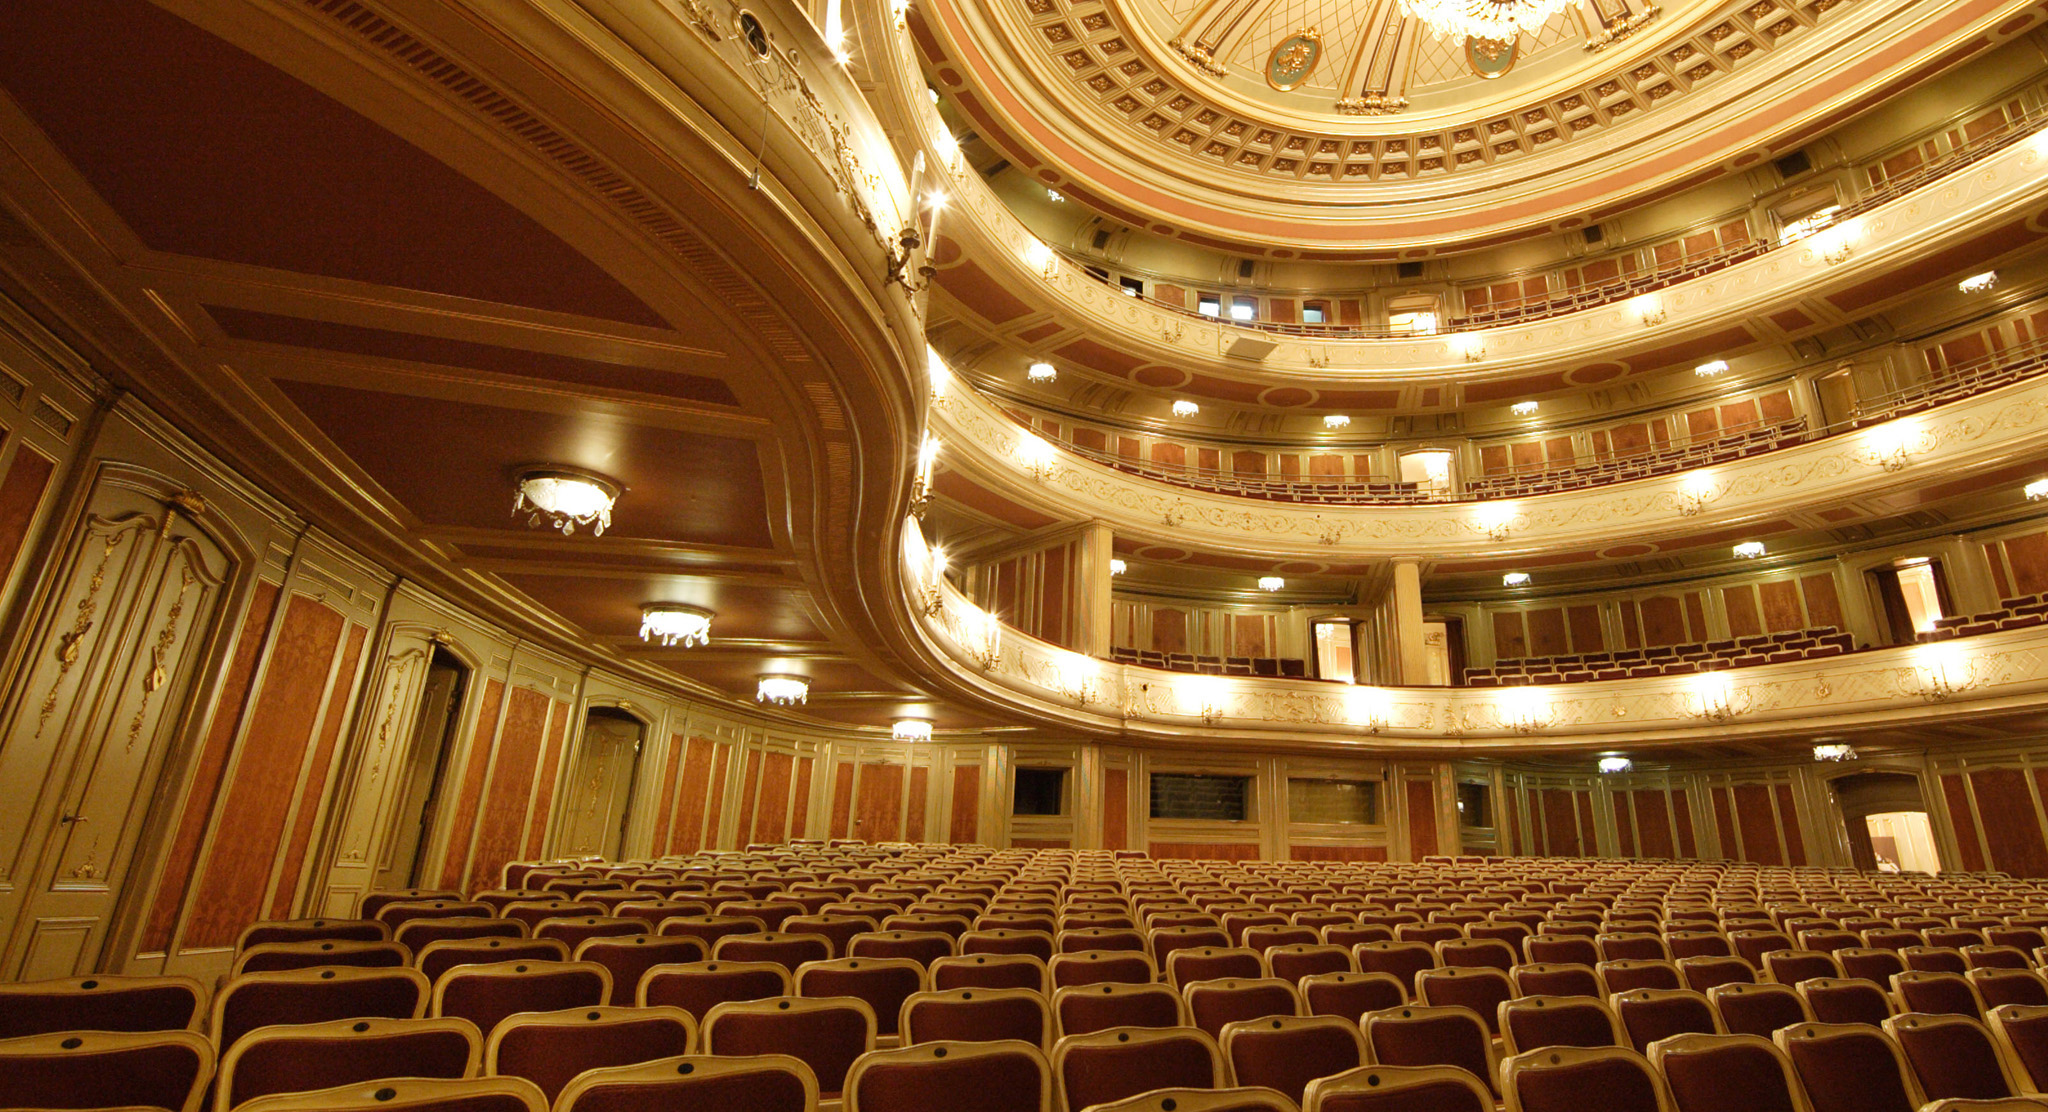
1500	21
566	499
671	623
1834	752
782	691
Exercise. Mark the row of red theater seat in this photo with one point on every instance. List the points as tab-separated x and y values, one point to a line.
1665	660
1210	887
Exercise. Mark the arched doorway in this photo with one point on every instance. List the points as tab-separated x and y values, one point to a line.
1886	820
600	789
425	771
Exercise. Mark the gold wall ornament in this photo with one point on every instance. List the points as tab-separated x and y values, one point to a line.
69	642
1491	58
1622	28
1294	58
1370	104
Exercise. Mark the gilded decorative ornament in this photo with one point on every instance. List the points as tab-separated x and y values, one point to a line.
1294	59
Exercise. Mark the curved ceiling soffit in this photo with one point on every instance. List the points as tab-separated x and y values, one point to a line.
1992	209
1490	179
641	166
1996	428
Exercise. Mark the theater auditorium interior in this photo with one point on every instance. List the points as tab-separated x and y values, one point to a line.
1024	555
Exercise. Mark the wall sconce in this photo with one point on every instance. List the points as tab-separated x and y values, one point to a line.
1212	698
1649	309
1117	565
1471	345
936	373
1718	699
1944	672
985	640
1891	445
1077	679
1496	521
1694	492
1038	458
921	486
1836	244
933	594
1525	713
1370	710
1173	515
1043	259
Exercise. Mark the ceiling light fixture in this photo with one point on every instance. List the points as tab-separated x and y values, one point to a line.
911	729
1185	408
1336	421
565	499
672	623
782	691
1515	579
1611	765
1978	283
1710	369
2036	490
1496	21
1117	566
1055	196
1834	752
1523	409
1042	372
1749	550
1271	583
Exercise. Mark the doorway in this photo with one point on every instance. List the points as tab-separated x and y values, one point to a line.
426	766
1885	818
599	792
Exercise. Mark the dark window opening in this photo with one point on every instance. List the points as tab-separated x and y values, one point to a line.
1039	791
1178	795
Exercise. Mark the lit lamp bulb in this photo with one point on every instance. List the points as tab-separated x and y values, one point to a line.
1185	408
911	729
1709	370
782	691
2036	490
1117	566
1834	752
1515	579
1749	550
565	500
1978	283
1336	421
1523	409
1611	765
1271	583
1041	372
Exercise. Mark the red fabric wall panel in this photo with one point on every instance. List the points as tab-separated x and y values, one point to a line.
966	827
316	780
878	809
2010	824
1788	819
1653	824
800	799
1589	832
1560	827
1422	839
1759	829
456	865
549	776
1206	851
842	799
1957	794
773	809
511	784
688	835
1116	809
665	820
1337	853
251	820
721	769
20	493
913	816
1511	838
1681	814
750	786
220	738
1624	826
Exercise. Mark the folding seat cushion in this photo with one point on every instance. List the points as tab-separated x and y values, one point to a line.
936	1077
100	1002
1101	938
787	950
1533	1022
991	971
1350	995
397	914
1953	1057
883	984
437	958
827	1034
312	930
1082	1009
1401	959
1850	1067
486	994
1937	994
1554	980
167	1070
923	947
1216	1003
1122	1062
1480	989
1292	963
551	1048
1628	974
1382	1088
1789	967
1490	953
1845	1000
1748	1009
977	1015
418	934
1997	987
1727	1073
1038	944
1285	1053
375	900
1208	963
314	995
1649	1014
708	929
1573	1079
1417	1035
297	1058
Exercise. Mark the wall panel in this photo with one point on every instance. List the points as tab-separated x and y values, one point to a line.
1653	823
1624	826
772	813
919	792
800	799
750	785
456	864
1759	828
1116	809
687	835
664	799
1957	794
965	829
1560	826
878	808
1724	825
1589	830
1681	815
1337	853
842	799
537	823
714	811
2011	824
1206	851
507	798
1788	823
1421	802
310	796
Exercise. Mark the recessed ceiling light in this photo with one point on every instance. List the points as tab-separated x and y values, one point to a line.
1749	550
670	623
1271	583
1042	372
1710	369
1523	409
1515	579
1336	421
1185	408
782	691
1978	283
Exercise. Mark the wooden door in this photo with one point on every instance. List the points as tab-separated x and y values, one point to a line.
117	657
433	729
878	806
600	788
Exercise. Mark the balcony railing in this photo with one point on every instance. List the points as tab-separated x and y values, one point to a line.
1954	383
1575	298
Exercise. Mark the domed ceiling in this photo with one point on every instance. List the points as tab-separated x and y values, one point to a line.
1347	129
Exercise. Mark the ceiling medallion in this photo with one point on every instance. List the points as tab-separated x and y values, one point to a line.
565	499
1294	59
1497	21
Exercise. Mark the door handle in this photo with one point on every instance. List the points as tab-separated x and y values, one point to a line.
68	819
